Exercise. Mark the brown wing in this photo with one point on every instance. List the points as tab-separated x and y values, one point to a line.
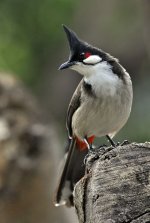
73	106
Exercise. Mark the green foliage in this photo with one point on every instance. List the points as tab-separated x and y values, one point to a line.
29	33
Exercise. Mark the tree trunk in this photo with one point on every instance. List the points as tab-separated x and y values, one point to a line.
116	187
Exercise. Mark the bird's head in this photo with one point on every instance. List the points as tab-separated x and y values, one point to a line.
83	58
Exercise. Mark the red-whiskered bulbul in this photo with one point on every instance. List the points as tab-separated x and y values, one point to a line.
100	106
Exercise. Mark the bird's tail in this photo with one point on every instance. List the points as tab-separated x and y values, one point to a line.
72	172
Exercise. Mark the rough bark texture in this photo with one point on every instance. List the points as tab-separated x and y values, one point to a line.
116	188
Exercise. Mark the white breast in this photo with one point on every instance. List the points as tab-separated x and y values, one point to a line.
109	110
102	79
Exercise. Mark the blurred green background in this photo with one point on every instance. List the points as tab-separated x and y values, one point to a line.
33	45
30	35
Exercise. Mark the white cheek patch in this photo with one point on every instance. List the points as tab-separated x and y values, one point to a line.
93	59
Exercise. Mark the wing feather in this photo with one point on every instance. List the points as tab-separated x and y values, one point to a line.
73	106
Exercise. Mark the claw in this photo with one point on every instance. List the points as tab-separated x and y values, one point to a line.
85	159
91	152
125	142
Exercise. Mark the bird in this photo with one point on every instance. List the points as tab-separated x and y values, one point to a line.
100	106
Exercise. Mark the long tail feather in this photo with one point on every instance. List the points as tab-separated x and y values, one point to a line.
72	172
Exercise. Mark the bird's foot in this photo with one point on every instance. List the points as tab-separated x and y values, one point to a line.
95	152
95	149
93	156
90	151
102	146
125	142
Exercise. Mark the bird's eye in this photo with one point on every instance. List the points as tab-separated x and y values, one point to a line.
85	55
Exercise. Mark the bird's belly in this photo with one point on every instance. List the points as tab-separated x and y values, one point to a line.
100	117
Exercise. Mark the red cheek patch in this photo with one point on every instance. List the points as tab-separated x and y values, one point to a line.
87	54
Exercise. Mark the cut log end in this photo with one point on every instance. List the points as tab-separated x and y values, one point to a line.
116	187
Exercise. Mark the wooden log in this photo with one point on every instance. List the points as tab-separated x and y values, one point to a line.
116	188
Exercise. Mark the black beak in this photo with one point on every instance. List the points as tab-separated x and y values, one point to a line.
74	44
66	65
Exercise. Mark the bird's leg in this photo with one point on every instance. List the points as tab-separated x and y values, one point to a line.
88	145
111	141
89	149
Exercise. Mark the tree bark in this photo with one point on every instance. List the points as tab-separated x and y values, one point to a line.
116	187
